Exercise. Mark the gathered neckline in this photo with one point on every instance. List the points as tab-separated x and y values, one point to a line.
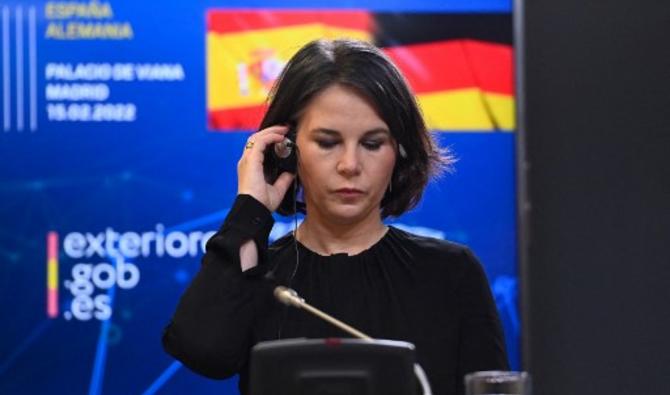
345	255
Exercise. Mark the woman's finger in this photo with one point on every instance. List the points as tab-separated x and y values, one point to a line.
257	144
282	183
276	129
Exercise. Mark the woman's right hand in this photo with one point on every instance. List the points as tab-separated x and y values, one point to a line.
250	178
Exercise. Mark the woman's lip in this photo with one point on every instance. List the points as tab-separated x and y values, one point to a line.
348	190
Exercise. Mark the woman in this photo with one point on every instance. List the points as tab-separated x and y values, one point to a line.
363	154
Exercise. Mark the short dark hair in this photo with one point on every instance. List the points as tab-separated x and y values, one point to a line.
366	69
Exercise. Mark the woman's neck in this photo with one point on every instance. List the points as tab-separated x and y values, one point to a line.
327	238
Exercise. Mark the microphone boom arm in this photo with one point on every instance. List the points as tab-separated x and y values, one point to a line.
289	297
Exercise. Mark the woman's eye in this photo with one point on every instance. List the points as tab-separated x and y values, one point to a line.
326	143
372	145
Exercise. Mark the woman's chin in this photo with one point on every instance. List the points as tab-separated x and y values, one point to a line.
349	213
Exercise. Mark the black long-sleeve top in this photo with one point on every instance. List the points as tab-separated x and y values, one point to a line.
426	291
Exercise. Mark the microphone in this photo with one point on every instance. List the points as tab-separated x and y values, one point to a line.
290	297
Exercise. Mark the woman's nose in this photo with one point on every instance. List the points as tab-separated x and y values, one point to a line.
349	163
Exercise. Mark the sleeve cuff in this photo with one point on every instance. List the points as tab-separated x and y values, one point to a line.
248	219
249	216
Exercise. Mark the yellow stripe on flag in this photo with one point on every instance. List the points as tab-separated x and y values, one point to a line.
241	67
502	107
467	110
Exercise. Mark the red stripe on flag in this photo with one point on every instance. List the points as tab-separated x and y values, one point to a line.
492	65
220	21
242	118
455	64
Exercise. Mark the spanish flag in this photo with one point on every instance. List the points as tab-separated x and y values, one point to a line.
462	76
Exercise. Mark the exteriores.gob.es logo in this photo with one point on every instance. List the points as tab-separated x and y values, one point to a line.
104	260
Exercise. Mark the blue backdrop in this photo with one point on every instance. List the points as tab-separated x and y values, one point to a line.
140	174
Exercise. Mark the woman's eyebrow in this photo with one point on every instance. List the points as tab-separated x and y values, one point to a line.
377	131
326	131
335	133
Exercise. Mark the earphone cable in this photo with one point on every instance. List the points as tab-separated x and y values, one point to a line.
295	247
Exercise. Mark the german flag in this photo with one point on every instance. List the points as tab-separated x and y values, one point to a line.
459	65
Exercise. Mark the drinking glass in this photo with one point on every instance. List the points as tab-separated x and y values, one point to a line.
497	383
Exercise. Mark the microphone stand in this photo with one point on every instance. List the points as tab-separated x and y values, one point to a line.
290	297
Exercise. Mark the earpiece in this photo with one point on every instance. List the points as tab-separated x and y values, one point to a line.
402	152
284	149
281	157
